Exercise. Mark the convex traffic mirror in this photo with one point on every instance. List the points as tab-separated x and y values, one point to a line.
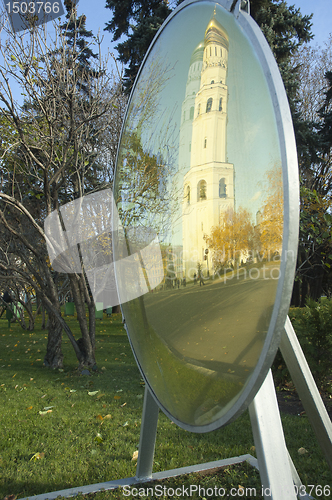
207	162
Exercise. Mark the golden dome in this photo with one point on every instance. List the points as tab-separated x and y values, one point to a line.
215	33
197	55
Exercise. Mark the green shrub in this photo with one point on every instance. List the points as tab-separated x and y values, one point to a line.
313	327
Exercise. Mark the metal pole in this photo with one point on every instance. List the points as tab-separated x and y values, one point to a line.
272	455
147	437
306	387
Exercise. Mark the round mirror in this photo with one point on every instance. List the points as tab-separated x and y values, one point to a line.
204	168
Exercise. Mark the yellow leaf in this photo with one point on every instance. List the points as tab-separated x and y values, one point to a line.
107	417
37	456
99	417
92	393
29	407
117	397
99	438
100	396
135	455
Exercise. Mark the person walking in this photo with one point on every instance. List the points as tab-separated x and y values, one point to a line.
201	279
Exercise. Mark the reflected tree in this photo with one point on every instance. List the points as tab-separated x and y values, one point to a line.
271	215
232	241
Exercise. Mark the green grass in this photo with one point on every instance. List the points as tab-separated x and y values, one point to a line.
87	439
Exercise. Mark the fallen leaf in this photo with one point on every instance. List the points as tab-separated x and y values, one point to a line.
125	424
44	412
93	393
135	455
107	417
117	397
48	407
302	451
72	390
37	456
29	407
100	396
99	438
124	404
99	417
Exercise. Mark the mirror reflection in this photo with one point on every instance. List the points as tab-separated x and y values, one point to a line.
199	164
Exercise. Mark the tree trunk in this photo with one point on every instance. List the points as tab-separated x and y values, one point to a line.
43	317
86	345
54	356
295	301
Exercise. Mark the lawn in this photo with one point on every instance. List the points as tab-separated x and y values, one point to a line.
60	429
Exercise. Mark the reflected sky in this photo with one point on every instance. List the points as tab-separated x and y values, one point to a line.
252	141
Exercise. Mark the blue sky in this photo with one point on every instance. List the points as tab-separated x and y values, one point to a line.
98	15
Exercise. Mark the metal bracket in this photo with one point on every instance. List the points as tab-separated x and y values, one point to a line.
307	389
238	5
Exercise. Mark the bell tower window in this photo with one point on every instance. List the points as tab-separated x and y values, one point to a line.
209	105
220	104
222	188
188	194
201	190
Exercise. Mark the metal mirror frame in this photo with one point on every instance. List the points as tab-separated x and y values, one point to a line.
289	161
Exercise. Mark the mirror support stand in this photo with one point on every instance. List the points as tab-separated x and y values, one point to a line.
272	455
306	387
147	437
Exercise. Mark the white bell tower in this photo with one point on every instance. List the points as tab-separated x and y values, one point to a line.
209	182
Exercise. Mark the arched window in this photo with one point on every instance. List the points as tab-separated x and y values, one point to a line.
205	142
220	104
191	112
215	51
201	190
222	188
209	104
198	109
188	194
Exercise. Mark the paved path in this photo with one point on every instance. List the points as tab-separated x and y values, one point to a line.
221	325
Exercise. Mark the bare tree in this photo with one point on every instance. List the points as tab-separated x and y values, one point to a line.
53	150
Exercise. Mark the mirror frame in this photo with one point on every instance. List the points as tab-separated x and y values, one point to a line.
289	161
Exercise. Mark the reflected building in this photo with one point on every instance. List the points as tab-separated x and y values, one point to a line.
208	180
